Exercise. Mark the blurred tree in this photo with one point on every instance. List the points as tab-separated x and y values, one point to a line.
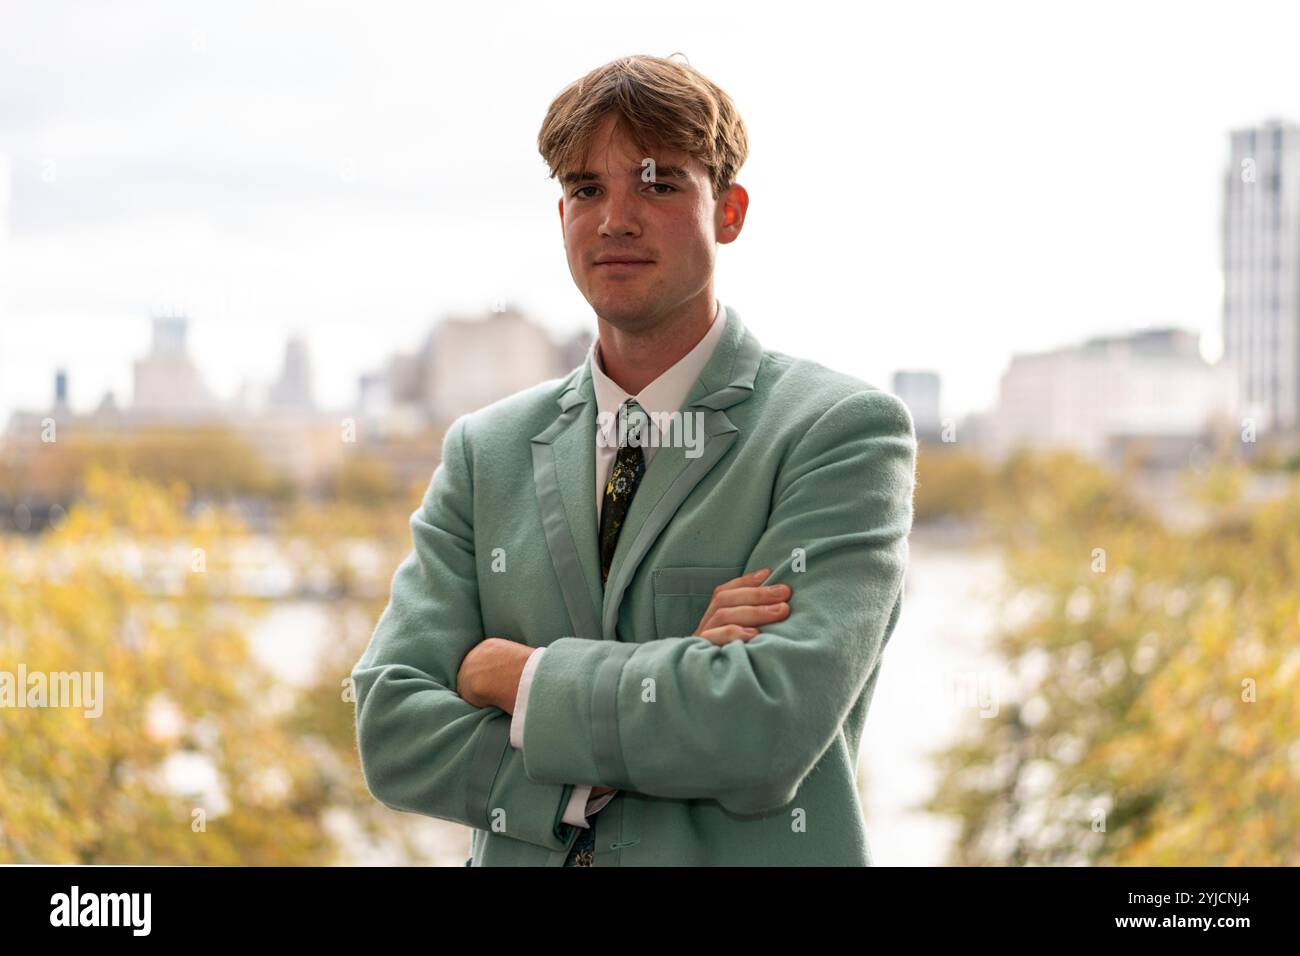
1155	713
190	761
950	483
212	460
358	546
364	481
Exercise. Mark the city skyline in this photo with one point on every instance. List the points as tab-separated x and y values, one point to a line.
304	210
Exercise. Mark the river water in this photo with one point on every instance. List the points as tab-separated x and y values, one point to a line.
937	679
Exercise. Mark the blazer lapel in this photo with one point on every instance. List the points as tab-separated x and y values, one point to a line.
727	379
564	473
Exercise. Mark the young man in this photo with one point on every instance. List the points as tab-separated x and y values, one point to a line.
676	671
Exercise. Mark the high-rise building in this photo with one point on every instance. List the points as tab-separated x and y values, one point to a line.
293	388
1261	265
919	391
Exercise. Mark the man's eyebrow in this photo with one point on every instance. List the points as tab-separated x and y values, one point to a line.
661	172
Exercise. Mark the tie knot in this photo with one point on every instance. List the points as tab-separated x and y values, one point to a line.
635	424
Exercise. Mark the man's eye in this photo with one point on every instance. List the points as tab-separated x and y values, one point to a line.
578	193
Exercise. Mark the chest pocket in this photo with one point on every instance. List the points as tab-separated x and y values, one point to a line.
683	594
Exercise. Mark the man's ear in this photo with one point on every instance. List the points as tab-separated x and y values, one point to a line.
731	209
561	206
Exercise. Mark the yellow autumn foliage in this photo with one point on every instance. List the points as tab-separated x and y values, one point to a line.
1156	714
190	760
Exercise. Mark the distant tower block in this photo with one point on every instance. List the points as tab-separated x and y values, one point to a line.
1261	271
293	388
169	335
166	380
919	391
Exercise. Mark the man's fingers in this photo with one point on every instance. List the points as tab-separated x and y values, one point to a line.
748	615
746	604
741	604
749	595
732	632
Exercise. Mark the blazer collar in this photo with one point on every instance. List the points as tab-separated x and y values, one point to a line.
733	365
666	394
564	473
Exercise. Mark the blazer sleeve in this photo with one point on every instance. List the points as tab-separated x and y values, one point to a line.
581	803
424	749
743	723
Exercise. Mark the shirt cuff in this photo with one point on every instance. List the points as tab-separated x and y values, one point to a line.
576	812
581	806
521	699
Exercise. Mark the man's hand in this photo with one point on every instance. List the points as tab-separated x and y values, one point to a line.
739	607
489	674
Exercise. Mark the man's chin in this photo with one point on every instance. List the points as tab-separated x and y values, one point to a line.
627	313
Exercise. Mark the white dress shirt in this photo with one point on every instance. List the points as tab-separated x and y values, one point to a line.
665	395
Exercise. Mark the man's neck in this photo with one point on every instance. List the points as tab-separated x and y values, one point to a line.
635	359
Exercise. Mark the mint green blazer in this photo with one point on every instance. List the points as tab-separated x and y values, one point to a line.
740	754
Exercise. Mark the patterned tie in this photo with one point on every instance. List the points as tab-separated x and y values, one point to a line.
624	477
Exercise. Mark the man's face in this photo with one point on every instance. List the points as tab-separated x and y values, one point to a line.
671	225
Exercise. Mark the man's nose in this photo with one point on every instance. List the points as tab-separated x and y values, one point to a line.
620	215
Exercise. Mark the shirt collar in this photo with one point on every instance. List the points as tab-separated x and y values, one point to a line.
666	393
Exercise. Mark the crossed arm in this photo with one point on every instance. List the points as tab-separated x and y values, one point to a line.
491	673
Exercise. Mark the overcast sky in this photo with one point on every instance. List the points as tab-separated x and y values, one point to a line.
932	185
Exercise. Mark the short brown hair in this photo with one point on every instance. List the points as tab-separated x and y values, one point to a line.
659	104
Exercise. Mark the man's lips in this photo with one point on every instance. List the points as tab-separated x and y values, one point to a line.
619	264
